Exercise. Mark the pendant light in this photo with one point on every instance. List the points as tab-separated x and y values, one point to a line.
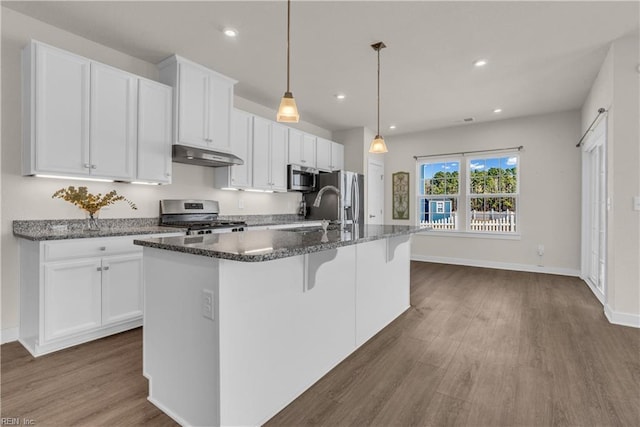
288	111
377	145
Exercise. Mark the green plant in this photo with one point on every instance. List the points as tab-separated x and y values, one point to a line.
88	202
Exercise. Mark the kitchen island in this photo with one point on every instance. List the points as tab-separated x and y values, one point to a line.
237	325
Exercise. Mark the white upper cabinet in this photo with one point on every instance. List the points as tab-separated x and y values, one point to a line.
80	119
238	176
113	122
55	111
270	143
329	155
337	156
302	148
203	103
154	132
279	146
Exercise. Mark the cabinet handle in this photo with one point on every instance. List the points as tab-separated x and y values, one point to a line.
208	139
105	268
167	174
304	161
87	166
93	166
99	268
103	248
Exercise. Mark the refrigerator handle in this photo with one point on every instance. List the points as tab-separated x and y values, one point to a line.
355	199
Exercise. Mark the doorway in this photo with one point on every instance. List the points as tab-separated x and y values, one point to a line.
594	210
375	192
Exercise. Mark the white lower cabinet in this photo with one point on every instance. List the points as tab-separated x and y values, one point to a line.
71	297
121	288
77	290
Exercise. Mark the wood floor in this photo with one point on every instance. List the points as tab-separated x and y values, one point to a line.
478	347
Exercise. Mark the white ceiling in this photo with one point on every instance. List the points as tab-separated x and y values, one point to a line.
543	56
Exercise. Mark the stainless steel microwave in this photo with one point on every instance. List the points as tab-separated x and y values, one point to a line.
301	178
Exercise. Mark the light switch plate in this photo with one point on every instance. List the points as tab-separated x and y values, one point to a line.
636	203
207	304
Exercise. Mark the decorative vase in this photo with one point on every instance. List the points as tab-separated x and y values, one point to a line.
92	222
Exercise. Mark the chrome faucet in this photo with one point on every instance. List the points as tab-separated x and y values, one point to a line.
316	202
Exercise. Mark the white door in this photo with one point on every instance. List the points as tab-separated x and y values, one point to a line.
121	288
71	297
61	112
241	145
220	106
154	132
193	105
595	210
375	193
279	148
261	153
113	122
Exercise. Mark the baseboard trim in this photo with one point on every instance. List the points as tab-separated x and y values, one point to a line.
497	265
168	412
623	319
8	335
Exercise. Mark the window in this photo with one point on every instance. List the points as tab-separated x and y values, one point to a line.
439	190
488	185
493	194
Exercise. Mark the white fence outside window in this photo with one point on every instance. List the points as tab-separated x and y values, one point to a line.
506	223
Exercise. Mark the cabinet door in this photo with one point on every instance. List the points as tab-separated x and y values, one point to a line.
71	297
193	109
296	147
279	145
154	132
61	112
121	288
241	145
308	150
220	106
261	153
113	122
323	154
337	156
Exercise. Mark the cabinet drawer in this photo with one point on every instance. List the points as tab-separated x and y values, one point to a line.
83	248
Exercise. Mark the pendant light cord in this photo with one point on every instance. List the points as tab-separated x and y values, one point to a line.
379	90
288	32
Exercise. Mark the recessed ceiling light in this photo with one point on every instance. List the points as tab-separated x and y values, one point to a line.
340	96
230	32
480	63
498	110
392	127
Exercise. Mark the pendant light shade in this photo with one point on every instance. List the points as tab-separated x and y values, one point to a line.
377	145
288	111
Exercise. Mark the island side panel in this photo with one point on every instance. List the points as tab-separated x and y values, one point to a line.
281	331
382	286
180	345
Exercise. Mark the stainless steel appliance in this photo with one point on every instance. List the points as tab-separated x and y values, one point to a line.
301	178
204	157
340	197
197	216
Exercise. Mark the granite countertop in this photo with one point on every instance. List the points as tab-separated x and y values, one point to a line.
39	230
266	245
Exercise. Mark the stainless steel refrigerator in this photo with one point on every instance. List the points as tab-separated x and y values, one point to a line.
340	197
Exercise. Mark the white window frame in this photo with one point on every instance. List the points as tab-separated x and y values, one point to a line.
469	195
420	185
464	196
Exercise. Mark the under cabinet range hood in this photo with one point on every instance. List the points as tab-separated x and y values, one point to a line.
204	157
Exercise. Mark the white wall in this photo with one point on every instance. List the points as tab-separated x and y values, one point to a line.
617	89
30	197
549	211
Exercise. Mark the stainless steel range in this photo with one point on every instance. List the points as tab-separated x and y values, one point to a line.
197	216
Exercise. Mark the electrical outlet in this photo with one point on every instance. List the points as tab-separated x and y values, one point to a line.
540	249
207	304
241	203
